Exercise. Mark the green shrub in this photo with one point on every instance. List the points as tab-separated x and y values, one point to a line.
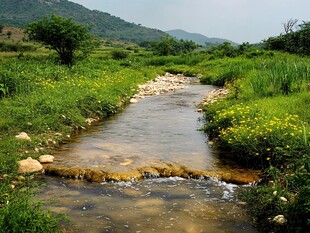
6	46
119	54
266	200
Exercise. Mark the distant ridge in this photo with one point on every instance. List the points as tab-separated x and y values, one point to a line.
21	12
198	38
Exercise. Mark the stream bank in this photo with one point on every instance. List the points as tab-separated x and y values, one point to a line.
150	170
130	148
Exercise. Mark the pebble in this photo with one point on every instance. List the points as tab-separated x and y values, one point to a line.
215	95
22	136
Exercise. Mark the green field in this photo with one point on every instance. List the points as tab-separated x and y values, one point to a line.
263	123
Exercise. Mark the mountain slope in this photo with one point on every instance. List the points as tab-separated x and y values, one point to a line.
198	38
22	12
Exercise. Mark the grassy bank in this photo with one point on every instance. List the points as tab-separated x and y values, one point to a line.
50	103
264	123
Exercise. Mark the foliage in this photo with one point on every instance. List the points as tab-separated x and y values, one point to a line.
62	35
32	99
223	50
171	46
18	213
254	127
119	54
22	12
266	200
6	46
292	42
258	139
265	123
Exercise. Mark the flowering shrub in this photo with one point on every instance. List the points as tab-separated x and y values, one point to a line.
257	139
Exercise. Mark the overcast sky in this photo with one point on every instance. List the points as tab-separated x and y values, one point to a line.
236	20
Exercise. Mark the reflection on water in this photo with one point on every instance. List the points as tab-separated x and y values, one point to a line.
153	205
159	128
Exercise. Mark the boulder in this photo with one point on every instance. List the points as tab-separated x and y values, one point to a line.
46	158
29	165
22	136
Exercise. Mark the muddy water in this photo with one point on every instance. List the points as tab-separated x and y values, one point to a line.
158	130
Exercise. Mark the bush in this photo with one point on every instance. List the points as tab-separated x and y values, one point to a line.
15	47
119	54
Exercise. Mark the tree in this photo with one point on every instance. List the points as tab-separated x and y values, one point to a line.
293	42
1	28
63	35
289	25
171	46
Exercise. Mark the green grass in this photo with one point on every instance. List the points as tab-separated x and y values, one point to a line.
42	98
264	122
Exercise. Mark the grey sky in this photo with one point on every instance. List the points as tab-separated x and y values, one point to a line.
236	20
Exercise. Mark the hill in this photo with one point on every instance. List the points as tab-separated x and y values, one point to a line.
198	38
21	12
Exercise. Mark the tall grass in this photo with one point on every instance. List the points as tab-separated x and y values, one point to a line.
280	77
268	126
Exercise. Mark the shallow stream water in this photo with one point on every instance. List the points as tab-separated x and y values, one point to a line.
159	129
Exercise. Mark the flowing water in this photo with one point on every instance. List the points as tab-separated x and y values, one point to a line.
156	132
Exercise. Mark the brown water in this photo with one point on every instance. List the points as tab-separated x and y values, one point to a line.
157	130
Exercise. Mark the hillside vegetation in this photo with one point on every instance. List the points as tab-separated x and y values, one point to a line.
198	38
22	12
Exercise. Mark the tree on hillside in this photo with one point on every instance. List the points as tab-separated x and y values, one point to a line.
289	25
1	28
171	46
66	37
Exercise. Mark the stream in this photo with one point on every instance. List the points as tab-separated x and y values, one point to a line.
152	149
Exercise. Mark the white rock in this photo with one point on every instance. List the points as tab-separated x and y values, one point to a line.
133	101
283	199
275	193
280	219
46	158
29	165
22	136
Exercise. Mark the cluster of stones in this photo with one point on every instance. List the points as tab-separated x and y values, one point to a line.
214	96
160	169
30	165
161	85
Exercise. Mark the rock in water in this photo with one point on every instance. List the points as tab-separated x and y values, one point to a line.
22	136
46	158
29	165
